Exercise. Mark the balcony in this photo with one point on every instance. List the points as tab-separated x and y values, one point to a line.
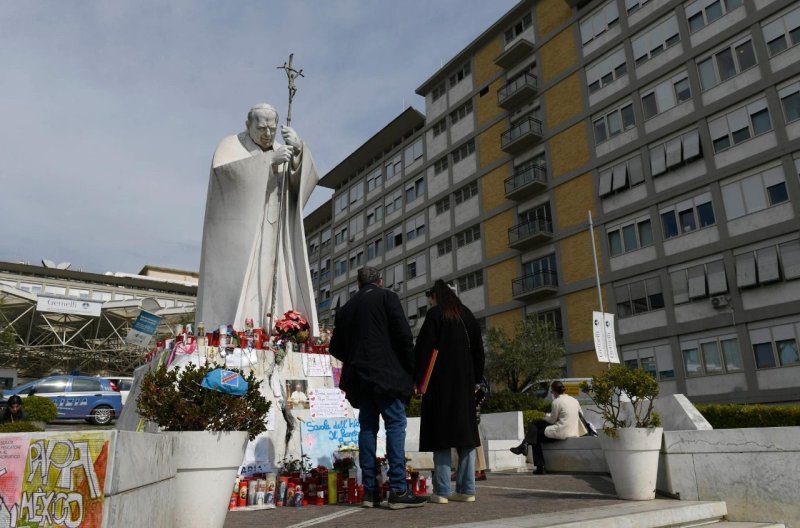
521	136
526	183
535	286
529	234
518	51
517	91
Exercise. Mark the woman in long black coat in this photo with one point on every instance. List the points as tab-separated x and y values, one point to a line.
448	417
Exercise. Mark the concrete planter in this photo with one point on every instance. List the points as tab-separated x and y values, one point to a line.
632	459
207	464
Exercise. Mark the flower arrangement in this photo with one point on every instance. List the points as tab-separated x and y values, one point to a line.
293	327
291	465
343	465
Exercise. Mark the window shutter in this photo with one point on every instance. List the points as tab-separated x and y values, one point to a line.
745	270
680	286
635	173
768	265
620	176
605	183
697	282
658	163
691	145
790	259
673	152
717	282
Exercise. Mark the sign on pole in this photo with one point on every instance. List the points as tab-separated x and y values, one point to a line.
68	306
143	329
605	340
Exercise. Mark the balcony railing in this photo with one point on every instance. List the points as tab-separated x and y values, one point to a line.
536	284
522	135
526	182
518	50
516	91
531	231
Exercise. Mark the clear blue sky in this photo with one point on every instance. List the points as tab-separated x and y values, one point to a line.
110	111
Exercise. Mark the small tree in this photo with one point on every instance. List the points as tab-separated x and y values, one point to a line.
535	352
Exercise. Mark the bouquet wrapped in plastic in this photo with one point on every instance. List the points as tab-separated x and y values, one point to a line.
293	327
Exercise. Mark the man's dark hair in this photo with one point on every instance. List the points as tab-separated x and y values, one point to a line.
368	275
14	400
557	387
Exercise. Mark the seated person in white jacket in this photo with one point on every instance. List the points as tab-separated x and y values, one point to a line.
561	423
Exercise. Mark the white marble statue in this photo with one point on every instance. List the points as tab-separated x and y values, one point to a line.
245	226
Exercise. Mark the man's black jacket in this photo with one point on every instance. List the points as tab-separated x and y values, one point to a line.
372	338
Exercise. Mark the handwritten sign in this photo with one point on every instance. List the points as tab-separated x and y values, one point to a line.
322	438
316	365
327	403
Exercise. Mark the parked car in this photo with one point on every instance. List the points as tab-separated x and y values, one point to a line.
76	397
121	384
572	385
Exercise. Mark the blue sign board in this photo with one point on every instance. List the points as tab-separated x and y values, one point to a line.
146	323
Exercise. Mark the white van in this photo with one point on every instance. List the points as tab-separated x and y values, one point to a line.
121	385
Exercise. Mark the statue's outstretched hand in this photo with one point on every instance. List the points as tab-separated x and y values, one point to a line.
281	154
291	138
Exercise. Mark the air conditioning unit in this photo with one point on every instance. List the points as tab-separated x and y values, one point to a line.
720	301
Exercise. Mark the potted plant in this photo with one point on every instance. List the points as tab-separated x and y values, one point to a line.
631	438
210	431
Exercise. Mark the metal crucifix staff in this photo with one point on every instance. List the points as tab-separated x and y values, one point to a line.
291	74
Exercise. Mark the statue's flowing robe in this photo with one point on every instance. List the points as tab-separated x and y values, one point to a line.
240	237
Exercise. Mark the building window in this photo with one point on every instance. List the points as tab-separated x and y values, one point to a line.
630	236
782	33
459	76
339	267
551	318
539	215
698	282
675	153
621	177
357	191
540	272
394	238
374	248
374	180
639	297
356	259
687	216
374	213
775	347
718	355
394	167
703	12
394	275
463	151
341	236
442	206
325	239
438	91
726	63
470	281
413	152
754	193
656	361
440	165
415	190
466	192
468	236
763	266
340	203
461	112
439	127
356	225
666	95
394	202
655	40
416	266
740	125
415	227
444	247
606	70
633	6
613	123
599	22
790	100
518	28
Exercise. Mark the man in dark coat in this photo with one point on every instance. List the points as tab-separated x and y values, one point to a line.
372	338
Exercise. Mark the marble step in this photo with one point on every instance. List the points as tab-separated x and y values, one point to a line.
659	513
742	524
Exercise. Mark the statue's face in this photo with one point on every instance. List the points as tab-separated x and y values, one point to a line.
262	126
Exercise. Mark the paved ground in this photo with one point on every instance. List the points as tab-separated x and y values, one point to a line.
502	495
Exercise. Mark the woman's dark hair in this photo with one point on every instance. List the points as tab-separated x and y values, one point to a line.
446	299
557	387
14	400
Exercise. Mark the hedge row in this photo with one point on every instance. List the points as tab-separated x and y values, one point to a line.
498	402
20	427
735	416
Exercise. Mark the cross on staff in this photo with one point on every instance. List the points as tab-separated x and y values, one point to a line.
291	74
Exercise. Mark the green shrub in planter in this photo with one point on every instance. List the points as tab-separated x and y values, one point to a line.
507	401
20	427
530	416
174	400
736	416
414	407
606	391
40	409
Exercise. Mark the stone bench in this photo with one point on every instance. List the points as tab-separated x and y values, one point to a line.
574	455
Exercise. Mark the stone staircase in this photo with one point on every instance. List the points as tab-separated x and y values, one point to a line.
659	513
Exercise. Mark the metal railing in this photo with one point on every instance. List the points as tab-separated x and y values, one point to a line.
534	281
528	125
517	84
529	228
524	177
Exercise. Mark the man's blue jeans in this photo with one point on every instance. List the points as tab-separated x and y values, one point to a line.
465	474
394	419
